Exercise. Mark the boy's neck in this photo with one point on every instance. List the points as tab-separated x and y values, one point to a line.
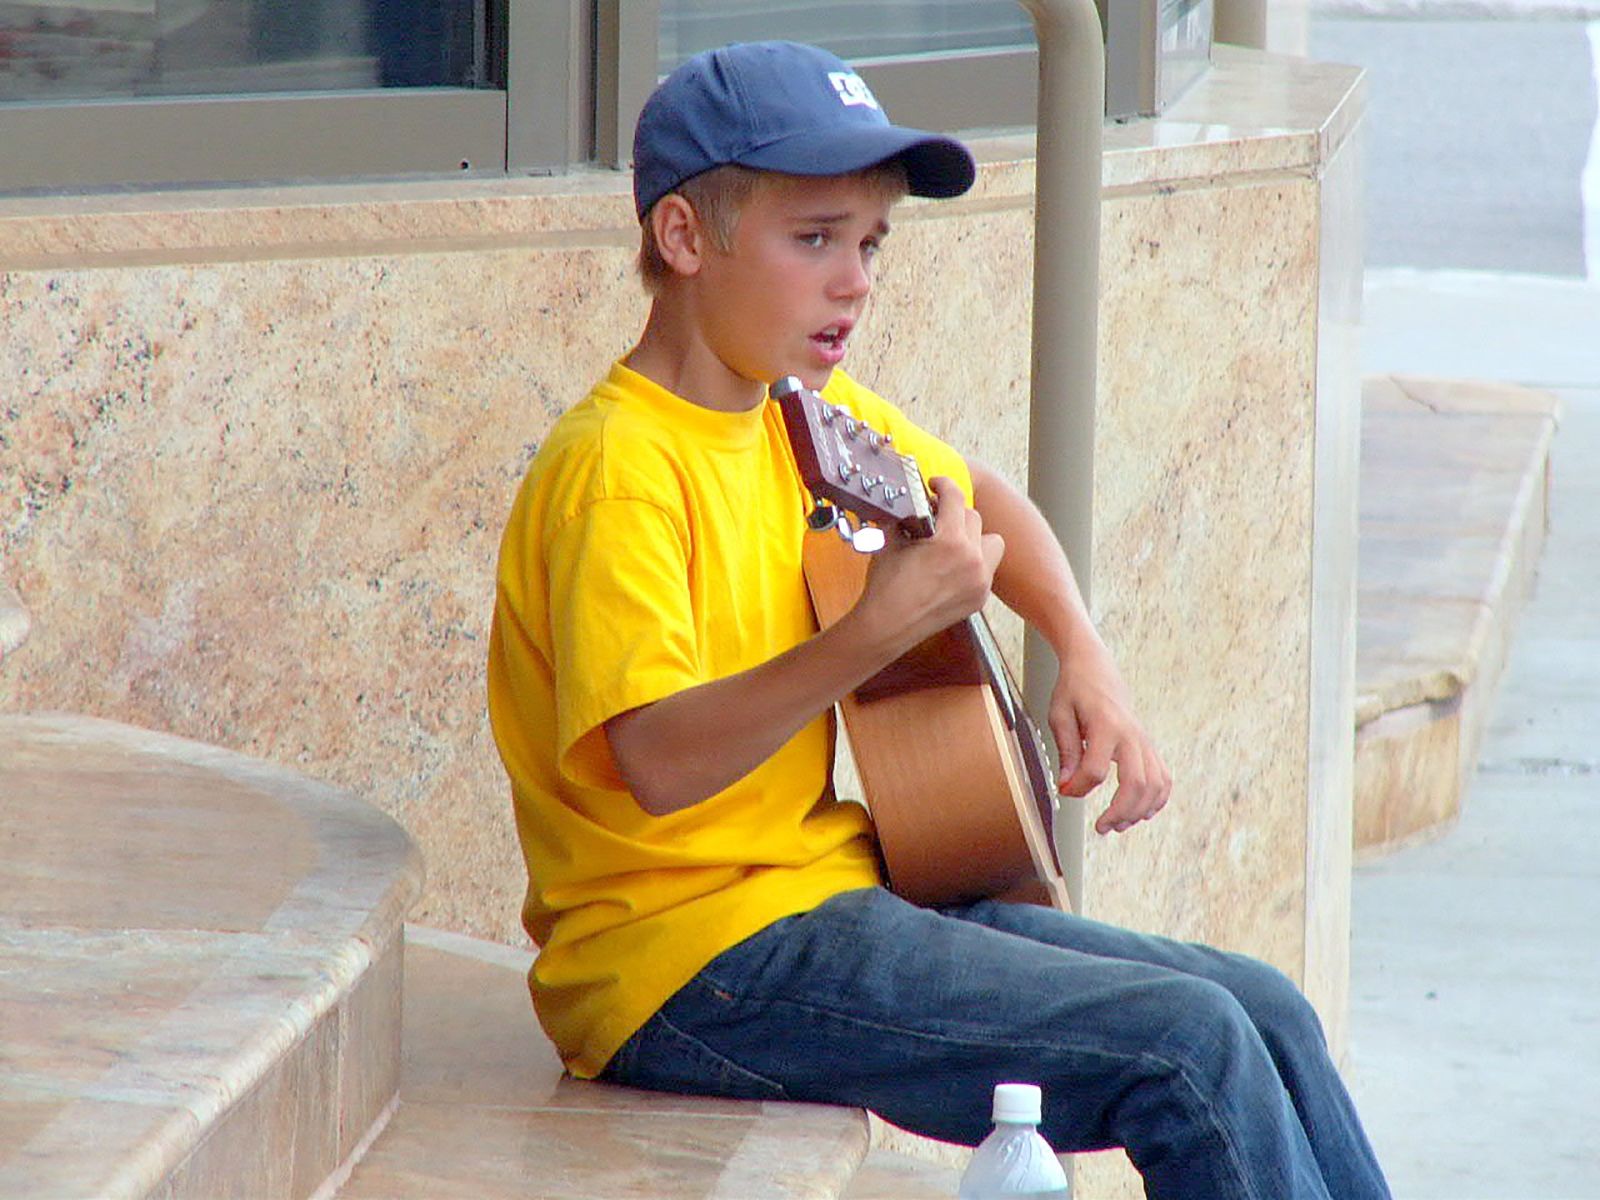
669	354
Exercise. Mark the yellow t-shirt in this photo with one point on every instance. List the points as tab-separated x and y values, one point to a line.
655	545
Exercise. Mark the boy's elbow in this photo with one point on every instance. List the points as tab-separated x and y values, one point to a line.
657	789
655	801
639	767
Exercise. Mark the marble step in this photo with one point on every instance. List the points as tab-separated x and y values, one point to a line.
893	1175
200	968
1454	484
486	1112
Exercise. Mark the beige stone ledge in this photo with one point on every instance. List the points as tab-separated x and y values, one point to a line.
1214	136
190	945
1453	474
486	1110
1454	485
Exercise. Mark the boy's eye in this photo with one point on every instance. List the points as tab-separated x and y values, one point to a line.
816	239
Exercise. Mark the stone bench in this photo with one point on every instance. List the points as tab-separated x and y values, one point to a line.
486	1112
202	963
1454	480
200	967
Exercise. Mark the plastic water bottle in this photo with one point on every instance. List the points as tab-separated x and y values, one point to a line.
1014	1161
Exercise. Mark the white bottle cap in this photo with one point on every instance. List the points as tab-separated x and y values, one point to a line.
1021	1103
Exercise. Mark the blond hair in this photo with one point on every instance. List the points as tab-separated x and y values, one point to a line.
720	194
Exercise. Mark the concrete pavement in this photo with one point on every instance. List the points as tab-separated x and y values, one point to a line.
1460	10
1476	141
1476	964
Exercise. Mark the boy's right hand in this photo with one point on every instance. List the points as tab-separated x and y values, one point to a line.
921	586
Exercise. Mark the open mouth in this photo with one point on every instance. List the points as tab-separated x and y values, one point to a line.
832	339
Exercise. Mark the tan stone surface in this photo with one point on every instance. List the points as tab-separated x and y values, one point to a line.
1453	488
1336	469
60	866
1455	479
886	1175
1406	393
1202	581
370	1036
1408	775
486	1112
179	929
298	483
1406	661
281	1140
1253	114
586	208
15	622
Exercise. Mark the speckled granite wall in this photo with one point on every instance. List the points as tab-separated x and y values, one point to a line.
257	446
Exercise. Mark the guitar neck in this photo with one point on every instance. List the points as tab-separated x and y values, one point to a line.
964	806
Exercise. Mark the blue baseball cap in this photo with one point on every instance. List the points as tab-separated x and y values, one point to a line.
780	106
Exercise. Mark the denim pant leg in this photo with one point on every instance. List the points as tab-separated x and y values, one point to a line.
1283	1017
916	1014
1287	1023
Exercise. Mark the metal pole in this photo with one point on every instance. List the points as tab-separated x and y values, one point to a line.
1241	23
1066	341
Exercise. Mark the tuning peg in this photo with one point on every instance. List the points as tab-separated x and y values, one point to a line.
867	539
863	539
822	517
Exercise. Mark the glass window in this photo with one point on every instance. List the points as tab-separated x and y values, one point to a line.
53	50
852	29
144	93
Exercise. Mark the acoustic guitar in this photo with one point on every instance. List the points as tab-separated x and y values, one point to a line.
954	770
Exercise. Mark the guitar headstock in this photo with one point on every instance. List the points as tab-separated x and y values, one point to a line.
848	464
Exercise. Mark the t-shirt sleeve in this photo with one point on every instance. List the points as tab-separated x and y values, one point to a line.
622	625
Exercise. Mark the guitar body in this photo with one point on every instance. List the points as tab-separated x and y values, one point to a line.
957	782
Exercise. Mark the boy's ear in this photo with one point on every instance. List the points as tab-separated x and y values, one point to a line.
680	237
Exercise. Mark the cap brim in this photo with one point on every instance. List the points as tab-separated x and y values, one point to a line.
935	165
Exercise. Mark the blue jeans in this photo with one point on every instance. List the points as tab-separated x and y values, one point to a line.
1209	1068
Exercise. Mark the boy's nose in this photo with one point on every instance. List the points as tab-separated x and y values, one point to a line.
854	277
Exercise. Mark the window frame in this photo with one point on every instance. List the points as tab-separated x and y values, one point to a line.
944	91
577	73
68	146
536	124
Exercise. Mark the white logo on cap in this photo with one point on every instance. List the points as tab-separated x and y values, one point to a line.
852	89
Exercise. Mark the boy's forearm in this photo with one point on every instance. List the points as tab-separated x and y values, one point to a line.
691	745
1034	579
688	746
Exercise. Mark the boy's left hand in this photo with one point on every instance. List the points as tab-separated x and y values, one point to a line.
1094	727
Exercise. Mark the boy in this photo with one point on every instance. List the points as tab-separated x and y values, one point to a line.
710	918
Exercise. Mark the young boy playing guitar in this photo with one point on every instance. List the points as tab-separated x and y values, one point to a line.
710	918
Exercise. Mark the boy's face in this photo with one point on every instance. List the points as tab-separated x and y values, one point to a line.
785	298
